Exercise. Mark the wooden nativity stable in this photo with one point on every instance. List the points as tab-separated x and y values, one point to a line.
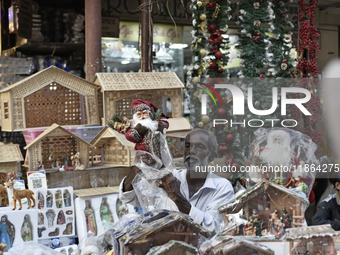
10	154
49	96
174	226
173	247
311	240
265	197
120	89
227	245
111	147
59	142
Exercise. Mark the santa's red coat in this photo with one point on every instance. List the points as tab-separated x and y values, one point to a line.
140	142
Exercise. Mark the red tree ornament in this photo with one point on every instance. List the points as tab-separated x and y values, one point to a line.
229	138
212	65
220	70
218	55
221	112
210	5
283	15
211	27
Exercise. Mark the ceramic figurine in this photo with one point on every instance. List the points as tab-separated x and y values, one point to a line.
67	198
40	201
50	161
66	160
61	218
286	218
275	226
68	230
257	222
91	225
26	229
105	214
58	162
249	228
20	194
54	233
40	230
50	215
3	195
73	160
7	232
78	165
58	199
40	166
49	199
121	209
41	219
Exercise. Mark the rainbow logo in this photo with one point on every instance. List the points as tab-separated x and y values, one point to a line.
208	92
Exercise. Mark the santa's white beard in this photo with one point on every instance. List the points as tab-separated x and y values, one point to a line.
148	122
277	155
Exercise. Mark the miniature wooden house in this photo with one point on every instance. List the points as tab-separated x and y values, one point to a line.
311	240
173	248
175	226
10	154
49	96
120	89
59	142
227	245
175	135
112	147
265	197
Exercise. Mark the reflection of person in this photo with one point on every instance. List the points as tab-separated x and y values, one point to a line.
91	225
200	196
67	198
26	229
329	209
6	232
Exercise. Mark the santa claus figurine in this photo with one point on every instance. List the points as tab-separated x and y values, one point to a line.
147	120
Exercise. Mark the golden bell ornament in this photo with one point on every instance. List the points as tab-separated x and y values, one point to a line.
203	17
203	52
196	79
200	124
199	4
205	119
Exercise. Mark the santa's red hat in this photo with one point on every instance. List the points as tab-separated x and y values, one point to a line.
138	105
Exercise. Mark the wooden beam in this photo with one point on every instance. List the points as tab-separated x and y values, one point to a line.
147	34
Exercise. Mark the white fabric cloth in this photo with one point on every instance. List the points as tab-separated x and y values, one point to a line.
215	192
